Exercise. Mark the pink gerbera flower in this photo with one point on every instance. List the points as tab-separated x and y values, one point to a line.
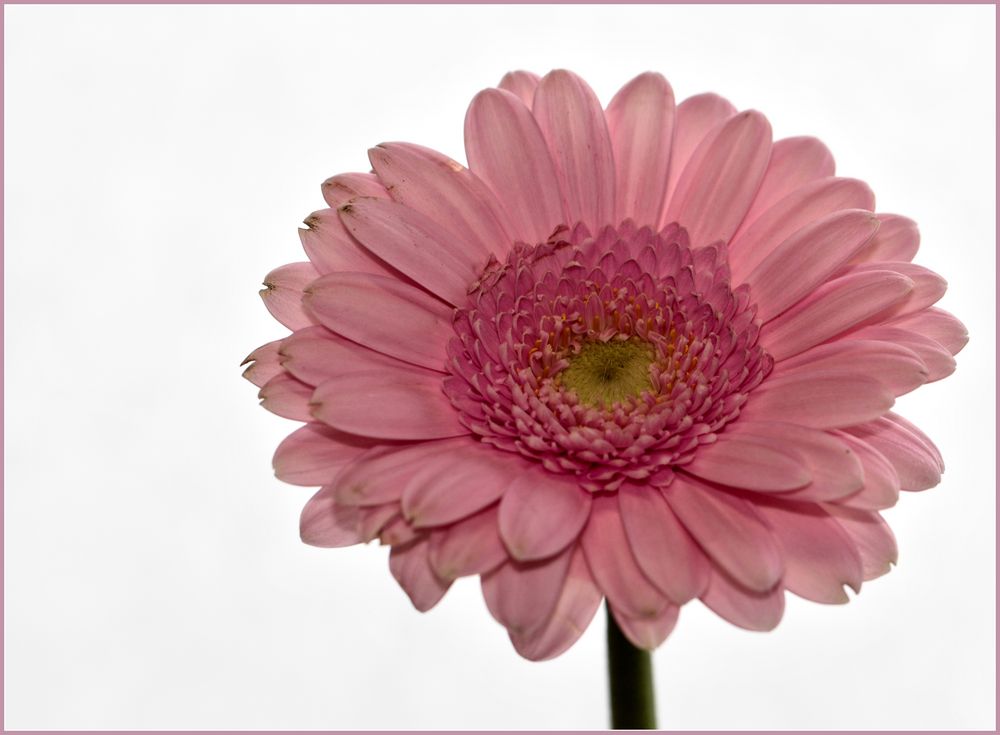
641	354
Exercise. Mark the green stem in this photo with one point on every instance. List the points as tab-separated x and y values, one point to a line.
630	673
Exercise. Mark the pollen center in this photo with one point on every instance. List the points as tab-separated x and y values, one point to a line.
604	373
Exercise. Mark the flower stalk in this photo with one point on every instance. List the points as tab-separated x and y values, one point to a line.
630	675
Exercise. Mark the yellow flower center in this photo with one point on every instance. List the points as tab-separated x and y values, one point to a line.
604	373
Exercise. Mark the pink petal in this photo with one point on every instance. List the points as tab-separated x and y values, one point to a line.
697	117
821	399
385	315
576	607
522	84
928	288
937	361
409	566
729	531
372	519
471	546
398	532
446	192
523	596
835	470
391	403
287	397
572	123
662	547
742	460
721	179
920	436
917	466
282	294
613	564
641	123
331	248
380	475
937	324
881	488
326	523
871	536
760	611
316	354
506	149
893	365
340	189
806	259
897	240
801	208
794	163
415	245
820	558
647	633
313	454
831	309
455	485
542	513
263	363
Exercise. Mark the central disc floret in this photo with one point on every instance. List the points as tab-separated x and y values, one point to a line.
611	357
604	373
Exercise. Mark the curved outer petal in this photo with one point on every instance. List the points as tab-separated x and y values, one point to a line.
331	248
697	117
471	546
647	633
391	403
410	567
524	596
572	123
455	485
282	294
287	397
577	604
641	124
898	240
749	462
380	474
665	552
820	399
415	245
340	189
445	191
541	513
784	218
721	179
313	454
928	287
522	84
895	366
937	324
264	363
916	464
806	259
795	162
831	309
506	150
760	611
937	360
835	470
871	536
881	488
820	558
729	531
613	564
326	523
385	315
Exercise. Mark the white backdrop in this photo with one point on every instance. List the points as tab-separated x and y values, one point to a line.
158	161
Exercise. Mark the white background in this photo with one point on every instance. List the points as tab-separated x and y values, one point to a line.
158	161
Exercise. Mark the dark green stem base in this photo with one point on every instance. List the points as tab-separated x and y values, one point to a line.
630	673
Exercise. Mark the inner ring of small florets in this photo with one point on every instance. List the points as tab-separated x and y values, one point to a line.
609	357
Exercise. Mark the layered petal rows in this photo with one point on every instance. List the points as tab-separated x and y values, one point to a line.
641	354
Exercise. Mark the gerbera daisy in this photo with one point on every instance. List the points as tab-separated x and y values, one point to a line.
643	354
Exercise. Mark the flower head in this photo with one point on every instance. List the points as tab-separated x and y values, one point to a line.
640	353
